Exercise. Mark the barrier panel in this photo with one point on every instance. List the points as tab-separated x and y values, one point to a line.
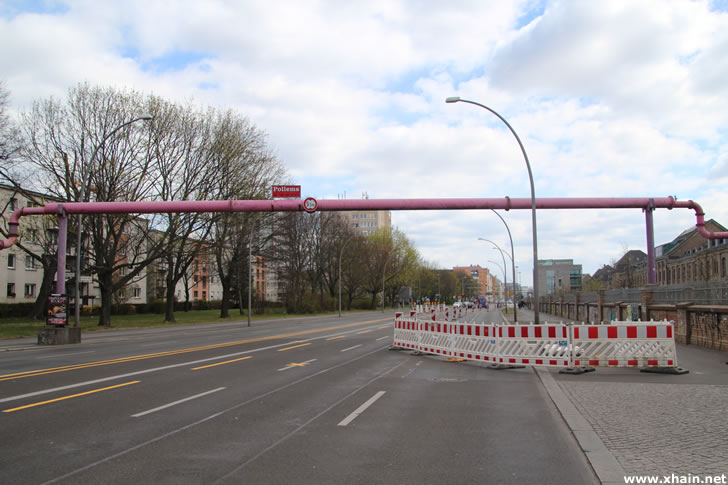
617	344
625	344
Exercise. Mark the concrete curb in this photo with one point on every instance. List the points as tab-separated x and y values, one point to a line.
605	465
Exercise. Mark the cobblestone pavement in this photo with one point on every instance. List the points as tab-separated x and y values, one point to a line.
656	424
658	429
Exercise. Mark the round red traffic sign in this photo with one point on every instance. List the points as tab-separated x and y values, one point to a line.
310	204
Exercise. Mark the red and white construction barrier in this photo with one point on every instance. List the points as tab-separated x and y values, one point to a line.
617	344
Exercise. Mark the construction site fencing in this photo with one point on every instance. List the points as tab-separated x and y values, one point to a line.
562	345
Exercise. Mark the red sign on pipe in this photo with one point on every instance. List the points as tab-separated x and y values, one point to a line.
287	191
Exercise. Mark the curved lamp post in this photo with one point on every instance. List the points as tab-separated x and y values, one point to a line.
85	190
455	99
505	280
341	253
504	273
250	271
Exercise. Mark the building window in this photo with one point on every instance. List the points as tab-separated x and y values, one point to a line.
137	292
29	262
204	267
13	204
195	285
204	282
204	295
194	294
211	278
722	268
355	216
11	290
11	261
122	270
29	290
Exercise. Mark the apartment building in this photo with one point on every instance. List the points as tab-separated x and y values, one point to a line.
486	282
559	275
21	274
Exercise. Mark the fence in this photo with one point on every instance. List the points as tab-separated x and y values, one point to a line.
696	323
617	344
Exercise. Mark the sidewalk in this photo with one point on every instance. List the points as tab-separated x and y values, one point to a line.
631	423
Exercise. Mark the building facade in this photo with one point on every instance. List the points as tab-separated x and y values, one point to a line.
21	274
487	284
366	222
559	276
690	258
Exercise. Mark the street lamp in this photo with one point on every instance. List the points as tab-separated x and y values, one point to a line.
455	99
84	194
250	270
341	253
505	282
502	269
513	263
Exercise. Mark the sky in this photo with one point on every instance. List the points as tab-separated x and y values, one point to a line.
610	99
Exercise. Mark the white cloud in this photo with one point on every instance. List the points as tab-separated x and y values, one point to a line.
610	99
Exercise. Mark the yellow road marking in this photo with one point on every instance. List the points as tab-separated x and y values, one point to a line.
294	364
294	347
334	338
221	363
53	370
69	397
363	331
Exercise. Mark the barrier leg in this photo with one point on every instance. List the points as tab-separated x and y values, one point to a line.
570	349
665	370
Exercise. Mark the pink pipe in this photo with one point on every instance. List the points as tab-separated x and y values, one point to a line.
506	203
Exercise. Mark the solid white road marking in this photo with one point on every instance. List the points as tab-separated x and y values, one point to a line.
63	355
351	348
362	408
382	338
176	402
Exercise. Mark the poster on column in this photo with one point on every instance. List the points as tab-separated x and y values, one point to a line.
57	310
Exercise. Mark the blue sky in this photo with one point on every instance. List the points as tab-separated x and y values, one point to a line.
611	99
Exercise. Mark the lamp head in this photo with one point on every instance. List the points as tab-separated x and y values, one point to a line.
146	117
452	99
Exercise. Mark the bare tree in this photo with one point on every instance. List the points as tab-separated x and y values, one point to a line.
248	170
77	147
183	171
9	142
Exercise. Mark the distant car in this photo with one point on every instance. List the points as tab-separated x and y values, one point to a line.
471	304
457	304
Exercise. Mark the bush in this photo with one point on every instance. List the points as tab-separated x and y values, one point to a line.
9	310
363	303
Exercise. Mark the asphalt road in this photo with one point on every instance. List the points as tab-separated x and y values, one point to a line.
314	400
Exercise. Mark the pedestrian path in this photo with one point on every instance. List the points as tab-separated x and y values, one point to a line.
638	424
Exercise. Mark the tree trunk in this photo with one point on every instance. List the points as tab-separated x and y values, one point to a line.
225	303
169	303
107	294
40	307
